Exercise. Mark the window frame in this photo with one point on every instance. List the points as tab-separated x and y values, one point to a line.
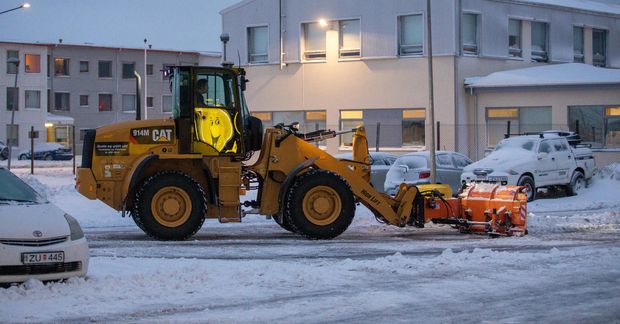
544	55
604	61
312	55
15	104
11	68
87	66
66	67
605	117
341	121
26	99
133	100
87	100
409	119
516	117
68	108
26	65
514	51
355	53
12	129
248	40
478	19
149	104
399	45
579	57
163	111
99	101
123	75
99	62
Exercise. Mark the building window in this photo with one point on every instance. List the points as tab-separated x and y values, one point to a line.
166	104
540	41
12	135
350	119
129	103
105	102
12	98
84	66
33	99
165	68
264	116
61	101
413	127
578	44
514	38
33	63
522	120
149	69
83	133
410	35
597	125
599	47
11	68
349	35
105	69
257	44
61	66
128	69
83	100
314	42
469	30
149	102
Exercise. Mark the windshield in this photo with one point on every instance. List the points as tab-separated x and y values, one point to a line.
522	143
14	189
412	162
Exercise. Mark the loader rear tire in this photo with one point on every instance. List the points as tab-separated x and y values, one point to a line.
170	205
530	187
319	205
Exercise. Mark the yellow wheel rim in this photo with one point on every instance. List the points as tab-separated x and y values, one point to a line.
171	206
322	205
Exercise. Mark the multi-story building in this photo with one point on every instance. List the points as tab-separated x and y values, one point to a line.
340	63
85	86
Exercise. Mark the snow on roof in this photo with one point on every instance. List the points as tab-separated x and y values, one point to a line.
587	5
59	119
547	75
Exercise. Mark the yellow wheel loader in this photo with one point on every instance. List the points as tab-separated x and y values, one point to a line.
172	174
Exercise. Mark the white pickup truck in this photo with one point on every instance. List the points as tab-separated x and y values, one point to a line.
535	161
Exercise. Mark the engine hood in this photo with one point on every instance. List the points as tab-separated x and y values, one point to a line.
502	160
19	221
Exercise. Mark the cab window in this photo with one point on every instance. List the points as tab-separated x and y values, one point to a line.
560	145
214	90
545	147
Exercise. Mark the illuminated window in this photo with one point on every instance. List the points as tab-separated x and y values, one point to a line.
33	63
413	127
350	119
522	120
61	66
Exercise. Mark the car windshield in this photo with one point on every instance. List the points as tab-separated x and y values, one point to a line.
522	143
412	162
14	189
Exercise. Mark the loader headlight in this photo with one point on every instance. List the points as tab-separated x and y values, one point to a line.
74	226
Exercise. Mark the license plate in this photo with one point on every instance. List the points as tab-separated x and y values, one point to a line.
481	177
498	178
43	257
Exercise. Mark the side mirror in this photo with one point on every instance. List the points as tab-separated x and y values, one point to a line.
542	155
242	82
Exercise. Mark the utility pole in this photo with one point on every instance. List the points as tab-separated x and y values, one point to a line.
431	108
15	106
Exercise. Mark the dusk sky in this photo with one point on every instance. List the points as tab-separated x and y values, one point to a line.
182	24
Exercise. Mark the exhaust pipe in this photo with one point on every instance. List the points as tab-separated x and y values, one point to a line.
138	94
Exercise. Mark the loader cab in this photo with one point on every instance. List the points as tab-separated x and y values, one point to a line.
210	112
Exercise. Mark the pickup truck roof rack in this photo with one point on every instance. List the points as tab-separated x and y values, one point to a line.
573	138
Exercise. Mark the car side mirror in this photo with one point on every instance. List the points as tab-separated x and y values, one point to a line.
542	155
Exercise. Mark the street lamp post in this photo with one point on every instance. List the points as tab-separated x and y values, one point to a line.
24	5
16	103
431	99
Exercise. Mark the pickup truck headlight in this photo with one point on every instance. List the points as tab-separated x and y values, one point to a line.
74	226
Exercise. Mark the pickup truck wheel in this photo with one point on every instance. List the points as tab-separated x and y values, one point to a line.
170	206
530	188
319	205
577	183
22	157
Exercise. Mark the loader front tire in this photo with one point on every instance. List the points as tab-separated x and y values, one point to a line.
530	187
284	223
319	205
170	205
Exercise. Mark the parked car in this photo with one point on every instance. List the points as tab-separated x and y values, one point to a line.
414	168
380	164
37	239
4	151
535	161
48	151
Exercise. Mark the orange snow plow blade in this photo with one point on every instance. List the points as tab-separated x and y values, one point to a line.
481	208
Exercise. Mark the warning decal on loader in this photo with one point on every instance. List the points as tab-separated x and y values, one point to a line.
112	149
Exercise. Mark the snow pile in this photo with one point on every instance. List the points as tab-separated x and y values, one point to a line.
611	171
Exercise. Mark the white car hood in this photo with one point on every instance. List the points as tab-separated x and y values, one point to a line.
502	160
20	221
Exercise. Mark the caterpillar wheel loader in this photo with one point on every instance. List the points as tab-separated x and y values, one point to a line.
172	174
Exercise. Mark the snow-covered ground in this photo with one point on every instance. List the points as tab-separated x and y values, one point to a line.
566	270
